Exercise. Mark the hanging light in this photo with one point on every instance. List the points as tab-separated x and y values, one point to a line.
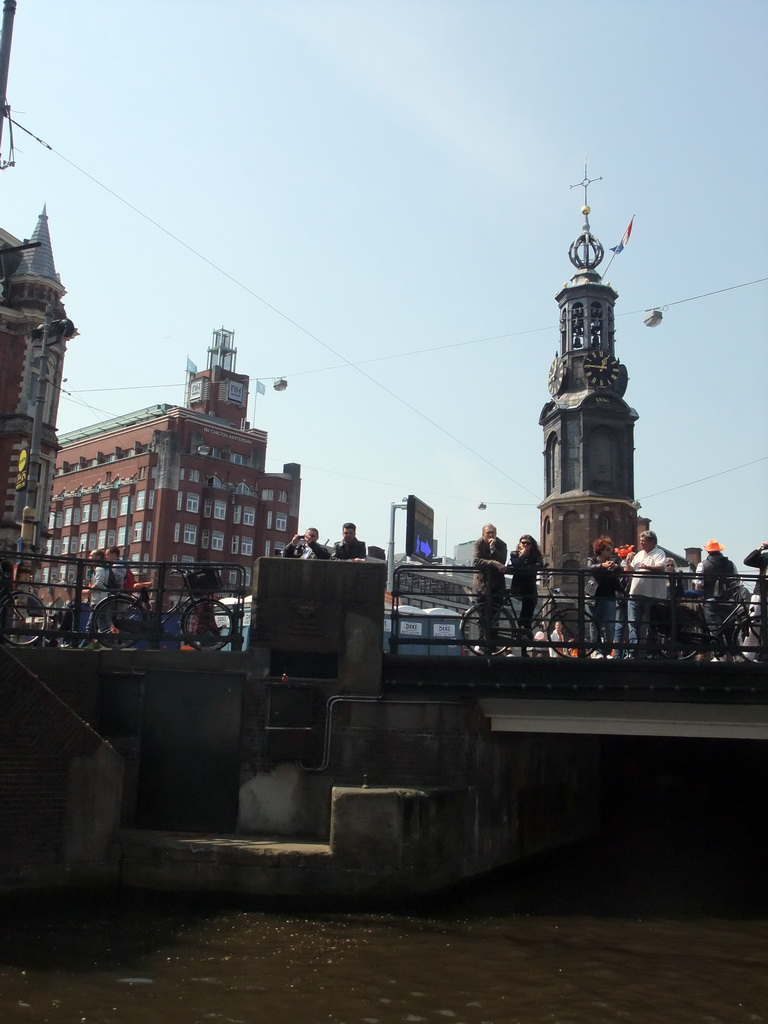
279	383
653	317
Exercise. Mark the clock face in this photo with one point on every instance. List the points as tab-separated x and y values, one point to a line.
556	375
601	369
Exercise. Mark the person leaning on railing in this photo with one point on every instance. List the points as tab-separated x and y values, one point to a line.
648	584
606	570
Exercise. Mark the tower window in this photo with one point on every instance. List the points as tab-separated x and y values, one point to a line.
577	326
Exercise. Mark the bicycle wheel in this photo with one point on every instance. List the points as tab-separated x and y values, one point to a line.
207	625
564	623
504	631
117	621
23	619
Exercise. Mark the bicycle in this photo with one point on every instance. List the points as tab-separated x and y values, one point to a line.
495	629
23	618
738	637
122	619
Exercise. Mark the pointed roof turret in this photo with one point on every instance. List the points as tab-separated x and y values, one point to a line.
39	262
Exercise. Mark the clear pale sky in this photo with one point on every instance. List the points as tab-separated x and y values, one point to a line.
375	197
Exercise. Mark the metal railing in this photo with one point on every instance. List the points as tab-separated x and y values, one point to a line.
567	619
47	600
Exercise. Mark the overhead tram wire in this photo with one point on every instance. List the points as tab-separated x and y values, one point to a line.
284	316
444	348
347	362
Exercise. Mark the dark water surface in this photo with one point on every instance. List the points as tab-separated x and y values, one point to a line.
662	918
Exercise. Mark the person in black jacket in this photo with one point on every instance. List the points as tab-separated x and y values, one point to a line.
523	565
349	549
307	546
606	570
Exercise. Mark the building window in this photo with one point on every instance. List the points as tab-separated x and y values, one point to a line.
141	497
121	536
237	512
237	458
179	500
193	502
194	476
86	510
111	538
57	547
176	531
267	548
76	516
151	502
65	545
267	495
148	530
279	545
187	558
219	509
102	541
59	520
281	521
51	520
205	539
269	520
82	544
233	577
249	516
68	517
190	534
91	541
113	509
207	506
137	531
247	577
282	496
246	546
104	509
235	544
125	504
217	540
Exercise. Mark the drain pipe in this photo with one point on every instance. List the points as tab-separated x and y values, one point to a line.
343	699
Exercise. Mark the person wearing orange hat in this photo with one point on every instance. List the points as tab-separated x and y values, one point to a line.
717	579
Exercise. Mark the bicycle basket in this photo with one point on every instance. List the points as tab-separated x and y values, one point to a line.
204	581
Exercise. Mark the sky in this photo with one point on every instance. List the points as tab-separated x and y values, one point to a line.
376	198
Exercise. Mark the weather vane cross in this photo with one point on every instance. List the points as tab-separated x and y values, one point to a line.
586	182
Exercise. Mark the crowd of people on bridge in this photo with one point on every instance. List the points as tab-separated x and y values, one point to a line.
623	589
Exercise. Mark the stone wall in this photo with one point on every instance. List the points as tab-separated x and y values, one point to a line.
60	788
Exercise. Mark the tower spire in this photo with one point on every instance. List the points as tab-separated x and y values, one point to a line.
39	262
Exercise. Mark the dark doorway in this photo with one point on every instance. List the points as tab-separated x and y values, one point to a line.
190	751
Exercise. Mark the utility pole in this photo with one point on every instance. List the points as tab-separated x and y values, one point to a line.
9	11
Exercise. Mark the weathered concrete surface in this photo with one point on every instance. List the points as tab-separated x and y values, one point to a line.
384	843
60	789
335	609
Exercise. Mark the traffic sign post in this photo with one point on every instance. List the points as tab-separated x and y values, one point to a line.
419	530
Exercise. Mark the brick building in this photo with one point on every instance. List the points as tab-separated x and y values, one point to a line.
29	286
177	483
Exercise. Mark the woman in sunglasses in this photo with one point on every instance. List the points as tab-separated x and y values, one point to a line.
523	566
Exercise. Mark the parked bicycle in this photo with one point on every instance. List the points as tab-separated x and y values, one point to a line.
688	635
123	619
495	629
23	616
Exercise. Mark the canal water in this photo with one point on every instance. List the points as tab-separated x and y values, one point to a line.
663	917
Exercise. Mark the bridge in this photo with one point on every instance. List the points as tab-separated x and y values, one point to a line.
313	762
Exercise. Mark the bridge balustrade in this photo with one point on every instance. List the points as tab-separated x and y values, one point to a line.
58	609
678	626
